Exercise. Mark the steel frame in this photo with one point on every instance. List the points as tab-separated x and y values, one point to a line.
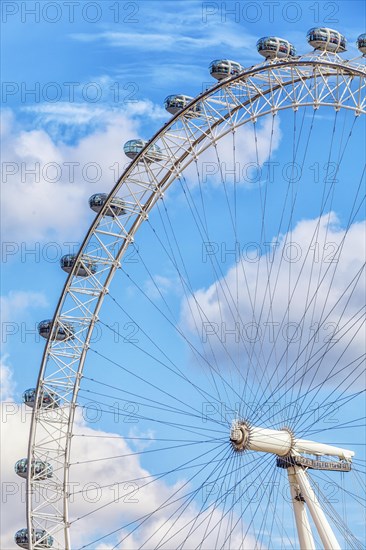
268	88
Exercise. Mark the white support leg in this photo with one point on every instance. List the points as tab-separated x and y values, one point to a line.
282	443
325	532
302	521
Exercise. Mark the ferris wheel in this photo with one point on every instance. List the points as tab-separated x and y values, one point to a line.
217	398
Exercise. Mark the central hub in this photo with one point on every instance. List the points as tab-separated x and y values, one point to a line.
244	436
239	435
282	442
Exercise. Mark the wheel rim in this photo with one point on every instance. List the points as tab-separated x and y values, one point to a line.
290	85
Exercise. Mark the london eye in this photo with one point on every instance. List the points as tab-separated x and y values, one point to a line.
224	408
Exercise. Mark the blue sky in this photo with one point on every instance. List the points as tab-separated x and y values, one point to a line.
97	84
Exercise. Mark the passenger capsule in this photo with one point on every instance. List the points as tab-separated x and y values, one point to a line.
39	537
321	38
86	266
222	68
175	103
272	47
134	146
48	399
39	470
61	332
361	43
116	207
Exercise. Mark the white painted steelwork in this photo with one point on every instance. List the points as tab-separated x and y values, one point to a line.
266	89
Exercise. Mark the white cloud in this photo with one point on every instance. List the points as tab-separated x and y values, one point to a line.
47	182
16	307
155	41
16	304
7	122
86	113
252	148
107	484
68	113
36	146
141	439
14	442
7	384
160	285
330	307
53	202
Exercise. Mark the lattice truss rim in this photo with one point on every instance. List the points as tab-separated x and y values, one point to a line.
265	89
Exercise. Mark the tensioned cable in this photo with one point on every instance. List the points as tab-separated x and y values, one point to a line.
268	283
221	281
188	289
308	368
314	336
164	505
266	465
226	463
146	516
298	278
316	371
179	374
331	374
163	406
327	227
322	208
224	514
337	520
176	425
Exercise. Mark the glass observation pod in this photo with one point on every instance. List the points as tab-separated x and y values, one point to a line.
60	332
321	38
84	269
117	206
222	68
39	537
40	470
134	146
361	43
272	47
48	399
175	103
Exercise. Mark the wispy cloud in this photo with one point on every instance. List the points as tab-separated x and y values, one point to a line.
60	208
154	41
7	384
17	303
75	114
